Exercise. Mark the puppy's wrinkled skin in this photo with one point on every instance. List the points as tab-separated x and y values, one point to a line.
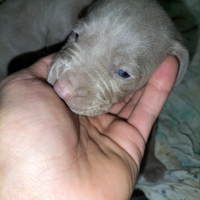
112	52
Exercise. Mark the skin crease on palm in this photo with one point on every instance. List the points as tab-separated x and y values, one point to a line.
50	153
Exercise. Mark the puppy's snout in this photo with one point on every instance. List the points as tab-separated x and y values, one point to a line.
68	91
65	92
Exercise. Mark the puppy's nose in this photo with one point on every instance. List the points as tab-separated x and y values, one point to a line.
65	92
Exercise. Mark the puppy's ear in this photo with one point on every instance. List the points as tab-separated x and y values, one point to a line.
181	53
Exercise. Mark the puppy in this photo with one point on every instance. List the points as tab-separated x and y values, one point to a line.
112	52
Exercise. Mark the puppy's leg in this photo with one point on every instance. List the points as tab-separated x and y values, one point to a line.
152	169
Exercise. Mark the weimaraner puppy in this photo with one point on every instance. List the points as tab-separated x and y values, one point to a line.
111	53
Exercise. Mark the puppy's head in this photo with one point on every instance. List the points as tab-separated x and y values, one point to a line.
109	55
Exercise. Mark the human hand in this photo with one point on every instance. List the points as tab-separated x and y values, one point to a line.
48	152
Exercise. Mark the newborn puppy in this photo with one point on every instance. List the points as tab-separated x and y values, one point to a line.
112	52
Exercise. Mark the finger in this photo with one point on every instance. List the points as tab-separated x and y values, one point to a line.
119	106
130	106
40	68
154	97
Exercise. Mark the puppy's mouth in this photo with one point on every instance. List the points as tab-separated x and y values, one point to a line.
87	110
81	101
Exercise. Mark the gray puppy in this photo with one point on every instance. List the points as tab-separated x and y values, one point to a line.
112	52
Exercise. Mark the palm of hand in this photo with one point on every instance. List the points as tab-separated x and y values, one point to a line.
56	154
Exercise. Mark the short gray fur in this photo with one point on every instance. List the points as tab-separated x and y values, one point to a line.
130	35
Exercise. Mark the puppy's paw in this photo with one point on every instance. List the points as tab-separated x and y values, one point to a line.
154	170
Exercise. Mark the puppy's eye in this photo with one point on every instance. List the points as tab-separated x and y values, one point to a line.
123	74
74	36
